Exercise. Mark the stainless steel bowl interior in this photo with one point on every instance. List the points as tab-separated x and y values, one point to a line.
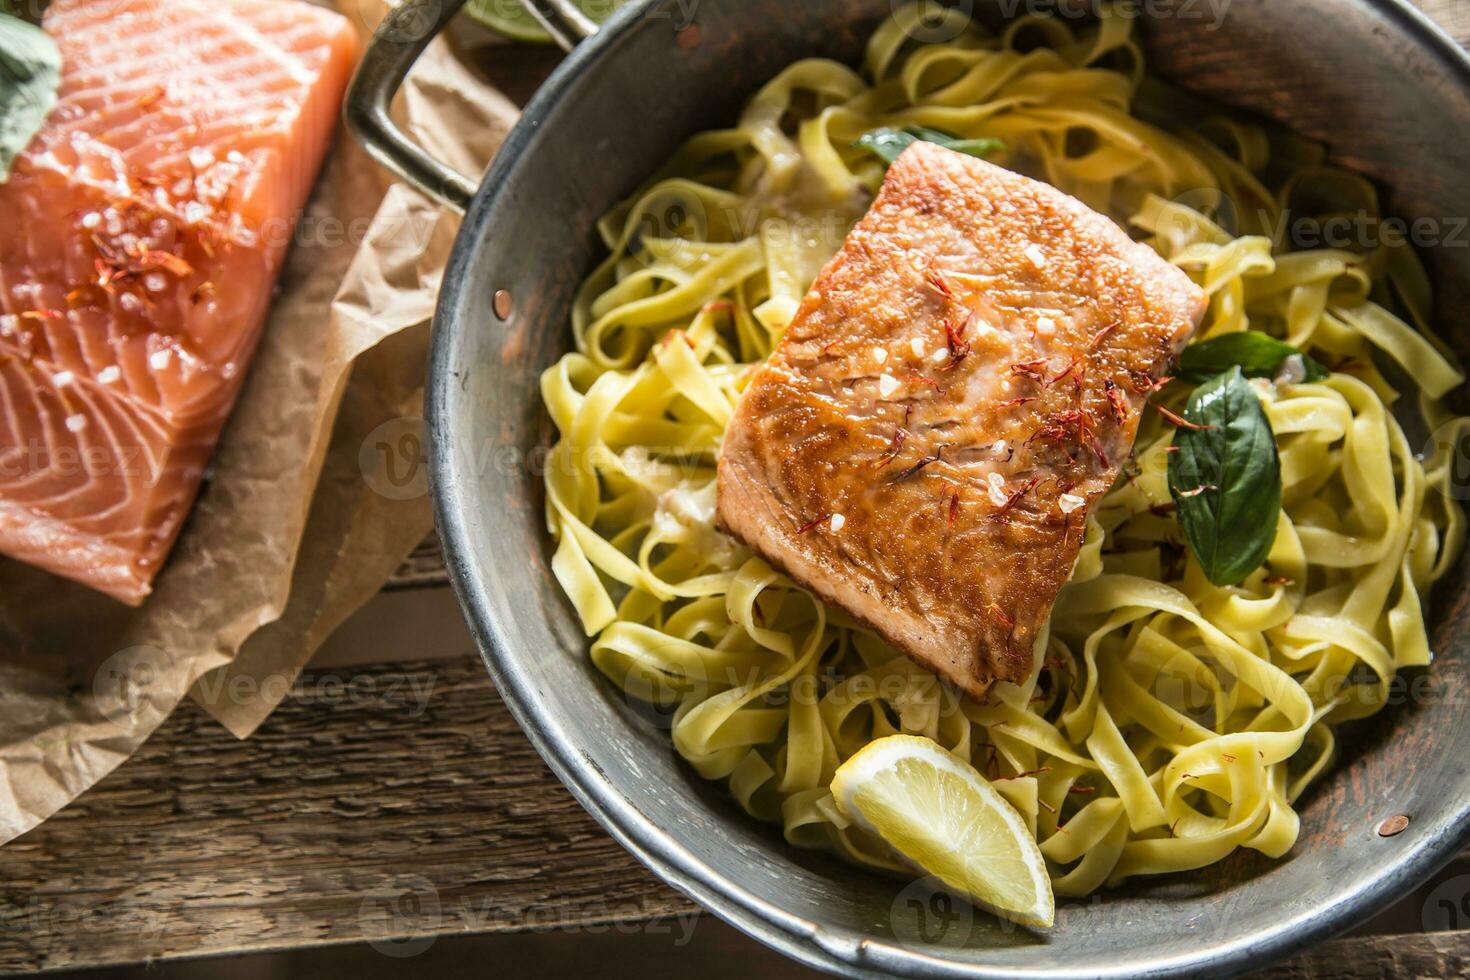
1373	79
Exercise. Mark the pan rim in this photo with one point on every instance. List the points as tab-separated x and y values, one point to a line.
844	951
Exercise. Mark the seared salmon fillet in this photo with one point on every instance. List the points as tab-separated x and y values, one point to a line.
146	225
957	389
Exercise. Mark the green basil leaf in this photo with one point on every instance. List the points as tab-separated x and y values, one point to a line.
30	77
1226	478
1257	354
888	143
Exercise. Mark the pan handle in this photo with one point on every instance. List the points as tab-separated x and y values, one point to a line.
399	40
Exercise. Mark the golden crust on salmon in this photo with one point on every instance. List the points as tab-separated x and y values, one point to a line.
958	388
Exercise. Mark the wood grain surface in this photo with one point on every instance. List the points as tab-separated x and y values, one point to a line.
424	569
393	803
377	803
390	804
1433	954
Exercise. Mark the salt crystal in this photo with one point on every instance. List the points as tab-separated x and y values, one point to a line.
997	496
887	385
880	355
155	282
108	374
1000	446
836	523
62	378
76	423
939	355
159	359
1069	502
228	370
917	346
1035	255
130	303
91	220
200	158
996	480
1046	326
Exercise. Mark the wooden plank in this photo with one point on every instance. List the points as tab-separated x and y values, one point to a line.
424	569
663	949
704	947
377	802
1433	954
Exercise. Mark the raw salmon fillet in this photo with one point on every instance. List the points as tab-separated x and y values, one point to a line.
957	389
145	227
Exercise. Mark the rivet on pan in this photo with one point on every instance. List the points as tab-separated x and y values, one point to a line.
689	37
503	304
1393	826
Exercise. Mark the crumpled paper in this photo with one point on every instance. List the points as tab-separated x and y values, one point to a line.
316	491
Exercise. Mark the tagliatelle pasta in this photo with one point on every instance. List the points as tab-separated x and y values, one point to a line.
1171	721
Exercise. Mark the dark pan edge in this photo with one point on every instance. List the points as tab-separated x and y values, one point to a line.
843	952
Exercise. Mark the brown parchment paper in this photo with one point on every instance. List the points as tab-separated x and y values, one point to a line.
316	491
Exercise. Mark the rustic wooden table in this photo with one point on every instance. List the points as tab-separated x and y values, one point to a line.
391	809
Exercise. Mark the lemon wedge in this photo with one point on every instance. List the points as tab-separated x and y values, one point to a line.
944	818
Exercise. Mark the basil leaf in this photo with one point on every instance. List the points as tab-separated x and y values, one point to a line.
888	143
1257	354
1226	478
30	76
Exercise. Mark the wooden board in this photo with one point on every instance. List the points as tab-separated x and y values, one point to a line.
374	796
393	803
675	949
380	803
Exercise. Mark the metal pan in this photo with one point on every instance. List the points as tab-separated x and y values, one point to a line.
1373	78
